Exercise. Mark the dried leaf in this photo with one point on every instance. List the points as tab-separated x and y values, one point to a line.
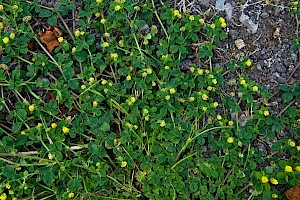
293	193
50	36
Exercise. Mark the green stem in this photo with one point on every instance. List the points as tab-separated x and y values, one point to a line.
180	161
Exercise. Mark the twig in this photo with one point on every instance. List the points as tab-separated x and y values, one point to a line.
66	26
29	153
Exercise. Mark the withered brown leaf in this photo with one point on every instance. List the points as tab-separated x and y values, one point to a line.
50	36
293	193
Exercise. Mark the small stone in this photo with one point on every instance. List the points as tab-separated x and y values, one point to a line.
204	2
239	43
281	80
264	15
233	34
281	68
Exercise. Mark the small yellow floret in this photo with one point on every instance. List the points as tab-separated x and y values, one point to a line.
60	39
123	164
273	181
264	179
172	91
12	36
230	140
266	113
117	8
65	129
71	195
288	168
255	88
162	123
292	143
204	97
5	40
102	21
31	108
53	125
77	33
248	63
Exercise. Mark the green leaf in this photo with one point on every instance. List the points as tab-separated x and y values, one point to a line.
49	177
68	72
45	13
81	56
52	21
22	114
281	175
140	23
16	127
73	84
90	39
8	172
105	126
174	48
287	96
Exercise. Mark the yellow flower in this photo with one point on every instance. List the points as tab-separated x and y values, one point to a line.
144	74
77	33
172	91
288	168
215	104
298	148
219	117
105	44
95	104
147	118
201	21
230	140
132	99
255	88
264	179
240	143
82	33
292	143
65	129
7	185
1	8
123	164
23	133
83	87
248	63
191	99
106	35
222	20
230	123
3	196
74	50
297	168
60	39
102	21
18	168
31	108
114	55
204	109
162	123
273	181
98	14
242	82
200	71
117	8
103	82
149	71
137	8
209	88
176	13
167	97
213	26
192	18
71	195
53	125
223	25
12	36
91	80
214	81
5	40
204	97
153	83
128	78
266	113
99	1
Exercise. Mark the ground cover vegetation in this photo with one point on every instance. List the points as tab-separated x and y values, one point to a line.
96	104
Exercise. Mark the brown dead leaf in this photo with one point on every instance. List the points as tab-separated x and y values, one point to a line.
293	193
49	37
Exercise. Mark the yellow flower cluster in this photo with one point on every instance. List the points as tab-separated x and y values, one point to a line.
264	179
177	13
131	101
